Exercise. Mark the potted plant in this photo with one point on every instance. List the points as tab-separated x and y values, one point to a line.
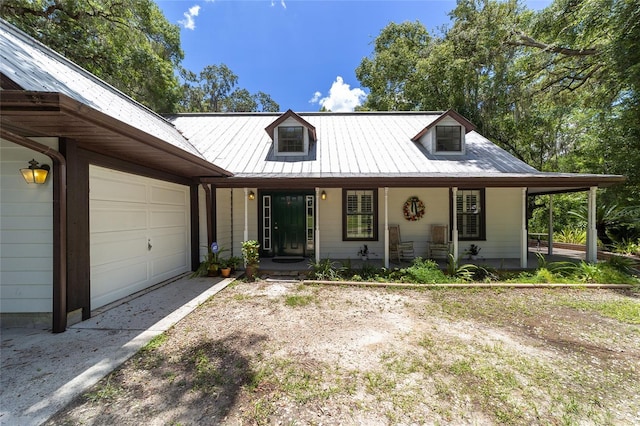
251	256
364	252
211	264
225	268
473	251
234	262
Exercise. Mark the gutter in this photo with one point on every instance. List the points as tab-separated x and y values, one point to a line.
59	226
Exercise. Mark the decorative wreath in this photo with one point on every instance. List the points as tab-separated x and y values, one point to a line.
413	209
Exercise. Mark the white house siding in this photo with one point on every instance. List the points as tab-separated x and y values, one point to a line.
26	232
230	232
437	212
139	233
504	213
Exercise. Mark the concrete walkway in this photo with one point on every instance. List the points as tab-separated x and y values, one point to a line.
41	372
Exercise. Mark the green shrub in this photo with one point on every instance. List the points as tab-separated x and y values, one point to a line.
571	236
425	272
628	247
325	270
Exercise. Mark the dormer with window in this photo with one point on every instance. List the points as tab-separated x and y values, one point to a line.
291	135
445	135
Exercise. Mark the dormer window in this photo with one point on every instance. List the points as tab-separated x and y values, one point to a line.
448	138
290	139
292	136
445	135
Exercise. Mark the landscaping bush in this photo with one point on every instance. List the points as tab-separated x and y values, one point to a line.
424	271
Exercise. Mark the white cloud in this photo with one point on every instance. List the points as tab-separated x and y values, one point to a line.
341	97
188	21
282	3
316	98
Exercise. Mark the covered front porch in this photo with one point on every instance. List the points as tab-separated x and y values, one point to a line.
269	266
323	214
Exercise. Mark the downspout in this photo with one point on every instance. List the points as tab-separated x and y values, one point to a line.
59	324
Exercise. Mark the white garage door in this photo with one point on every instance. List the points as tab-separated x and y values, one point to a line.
139	230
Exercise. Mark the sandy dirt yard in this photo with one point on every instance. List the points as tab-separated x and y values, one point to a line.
278	352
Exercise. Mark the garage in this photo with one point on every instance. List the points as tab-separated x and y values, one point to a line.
139	233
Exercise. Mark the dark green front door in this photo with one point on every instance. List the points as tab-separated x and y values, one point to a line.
289	224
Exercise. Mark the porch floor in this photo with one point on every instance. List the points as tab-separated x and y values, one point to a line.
269	266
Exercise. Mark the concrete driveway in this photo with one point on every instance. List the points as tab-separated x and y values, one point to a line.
41	372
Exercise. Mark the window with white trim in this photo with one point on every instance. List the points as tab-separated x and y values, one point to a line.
470	214
360	222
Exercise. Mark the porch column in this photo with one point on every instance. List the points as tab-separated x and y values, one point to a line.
386	227
317	226
592	233
550	236
524	242
246	214
454	221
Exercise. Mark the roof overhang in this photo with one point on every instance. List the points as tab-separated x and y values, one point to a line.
536	183
33	114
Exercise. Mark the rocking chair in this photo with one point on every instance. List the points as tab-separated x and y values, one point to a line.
439	246
398	249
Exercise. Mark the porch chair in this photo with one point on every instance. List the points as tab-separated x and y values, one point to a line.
398	249
439	246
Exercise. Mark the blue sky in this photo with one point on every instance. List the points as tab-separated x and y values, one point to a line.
301	52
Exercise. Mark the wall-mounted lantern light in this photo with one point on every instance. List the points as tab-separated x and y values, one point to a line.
252	195
35	173
323	195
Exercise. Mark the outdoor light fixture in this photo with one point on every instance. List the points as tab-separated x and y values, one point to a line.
35	173
323	195
252	195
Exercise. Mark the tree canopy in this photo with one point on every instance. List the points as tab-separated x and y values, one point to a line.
213	90
127	43
557	88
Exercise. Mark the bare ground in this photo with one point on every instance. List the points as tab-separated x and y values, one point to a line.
277	352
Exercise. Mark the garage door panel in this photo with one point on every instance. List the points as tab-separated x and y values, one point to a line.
116	190
139	233
118	220
167	266
118	247
168	243
161	219
109	284
160	195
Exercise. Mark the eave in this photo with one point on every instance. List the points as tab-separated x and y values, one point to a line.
537	183
32	114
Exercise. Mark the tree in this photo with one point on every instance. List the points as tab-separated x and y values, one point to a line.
213	91
557	88
127	43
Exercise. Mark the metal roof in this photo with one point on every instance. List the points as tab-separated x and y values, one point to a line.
362	148
362	143
52	96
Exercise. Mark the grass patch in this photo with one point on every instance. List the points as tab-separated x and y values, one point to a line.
155	343
626	310
104	392
298	300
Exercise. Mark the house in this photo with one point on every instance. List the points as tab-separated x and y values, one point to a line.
134	198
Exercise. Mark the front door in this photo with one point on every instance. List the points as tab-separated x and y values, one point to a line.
289	224
288	219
